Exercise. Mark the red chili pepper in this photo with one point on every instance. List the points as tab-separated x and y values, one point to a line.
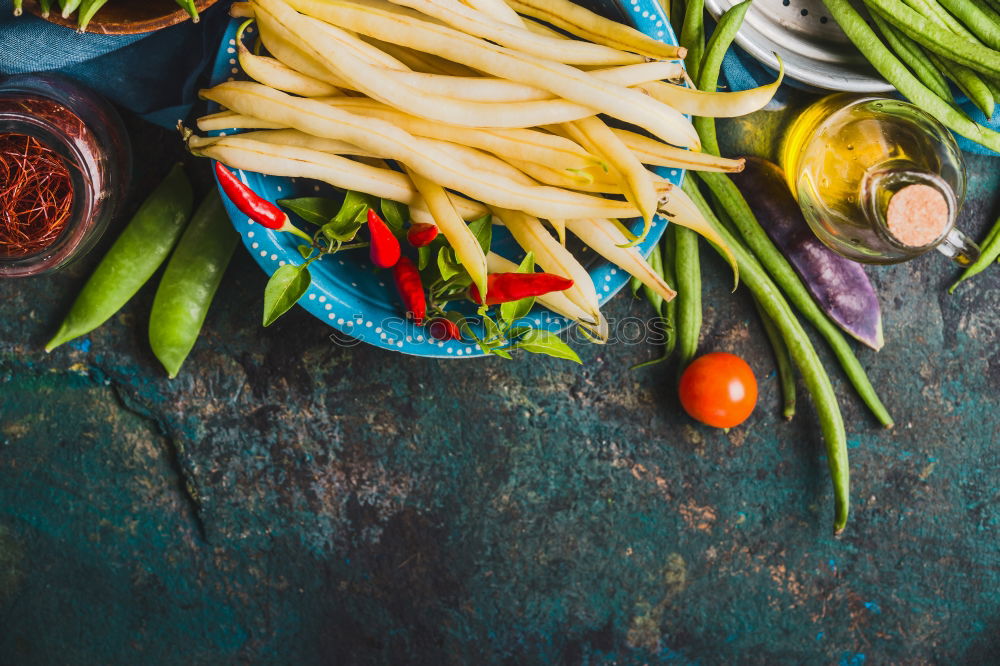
258	209
506	287
384	248
443	328
411	289
421	234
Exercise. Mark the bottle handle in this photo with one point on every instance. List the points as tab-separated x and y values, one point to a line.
959	247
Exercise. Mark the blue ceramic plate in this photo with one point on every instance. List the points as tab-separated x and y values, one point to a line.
359	301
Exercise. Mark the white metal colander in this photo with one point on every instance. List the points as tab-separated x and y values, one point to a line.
813	47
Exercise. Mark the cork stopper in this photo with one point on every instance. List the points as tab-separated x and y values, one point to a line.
917	215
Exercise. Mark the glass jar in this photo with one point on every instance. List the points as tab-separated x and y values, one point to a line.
87	133
878	180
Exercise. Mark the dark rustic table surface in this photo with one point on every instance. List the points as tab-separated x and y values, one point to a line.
289	500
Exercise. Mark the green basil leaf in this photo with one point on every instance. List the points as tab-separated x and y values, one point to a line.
395	214
305	250
423	257
284	289
482	229
467	331
518	330
343	232
447	263
538	341
355	206
502	353
514	310
458	282
493	331
314	210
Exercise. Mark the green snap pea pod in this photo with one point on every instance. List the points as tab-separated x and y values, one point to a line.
915	57
782	361
87	10
803	354
708	76
190	8
982	21
69	7
687	269
857	29
133	258
989	252
189	283
925	31
730	198
693	36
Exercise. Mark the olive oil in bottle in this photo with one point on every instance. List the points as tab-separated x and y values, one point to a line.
877	179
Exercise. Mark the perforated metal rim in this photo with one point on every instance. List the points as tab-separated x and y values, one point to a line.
812	46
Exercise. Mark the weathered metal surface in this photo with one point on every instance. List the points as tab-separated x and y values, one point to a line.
289	500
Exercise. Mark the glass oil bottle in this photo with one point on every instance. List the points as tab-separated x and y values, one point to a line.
877	179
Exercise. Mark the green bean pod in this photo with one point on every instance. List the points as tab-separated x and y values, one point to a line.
982	21
989	252
687	270
655	261
817	382
943	42
782	360
729	197
133	258
189	283
882	59
708	76
933	11
913	55
46	7
676	15
634	285
661	260
18	7
692	36
669	250
190	8
968	81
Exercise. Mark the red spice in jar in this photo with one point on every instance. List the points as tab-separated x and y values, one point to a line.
36	195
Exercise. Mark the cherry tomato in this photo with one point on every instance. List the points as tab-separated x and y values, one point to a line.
719	390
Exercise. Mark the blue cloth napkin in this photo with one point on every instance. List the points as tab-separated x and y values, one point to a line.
742	71
154	75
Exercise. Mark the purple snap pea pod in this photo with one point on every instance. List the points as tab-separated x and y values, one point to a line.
840	286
